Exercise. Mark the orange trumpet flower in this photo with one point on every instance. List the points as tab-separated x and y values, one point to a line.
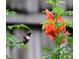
49	15
51	29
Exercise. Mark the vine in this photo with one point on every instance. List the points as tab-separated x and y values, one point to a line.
55	27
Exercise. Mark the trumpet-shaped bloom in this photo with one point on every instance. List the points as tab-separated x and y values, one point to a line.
49	15
53	30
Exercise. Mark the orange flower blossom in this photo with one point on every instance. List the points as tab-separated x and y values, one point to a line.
50	29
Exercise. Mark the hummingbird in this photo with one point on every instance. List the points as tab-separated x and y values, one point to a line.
26	38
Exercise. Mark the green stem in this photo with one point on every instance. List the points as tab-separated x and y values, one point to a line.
58	54
55	2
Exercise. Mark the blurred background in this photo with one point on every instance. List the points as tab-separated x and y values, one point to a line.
29	12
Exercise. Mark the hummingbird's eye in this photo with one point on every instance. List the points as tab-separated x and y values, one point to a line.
28	34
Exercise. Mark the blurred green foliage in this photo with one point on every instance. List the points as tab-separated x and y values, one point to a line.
9	57
58	53
10	13
11	40
57	10
22	45
69	23
18	26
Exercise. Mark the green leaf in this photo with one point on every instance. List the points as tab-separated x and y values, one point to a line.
24	26
11	40
57	41
43	26
46	48
69	23
50	2
22	45
10	27
19	26
70	40
11	45
68	13
60	2
58	10
9	57
61	36
7	13
10	13
58	24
